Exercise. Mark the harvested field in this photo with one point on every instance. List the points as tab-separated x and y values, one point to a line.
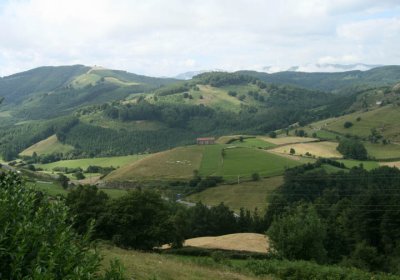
318	149
251	242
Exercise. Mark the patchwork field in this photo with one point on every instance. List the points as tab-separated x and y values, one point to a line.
86	162
391	164
246	194
251	242
48	146
253	143
319	149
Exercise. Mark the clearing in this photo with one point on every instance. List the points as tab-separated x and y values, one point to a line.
48	146
247	195
86	162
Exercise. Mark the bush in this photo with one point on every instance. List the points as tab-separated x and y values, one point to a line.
348	124
36	239
255	176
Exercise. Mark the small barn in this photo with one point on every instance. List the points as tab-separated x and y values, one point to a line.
206	141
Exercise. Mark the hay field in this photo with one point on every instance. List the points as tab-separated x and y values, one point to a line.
288	140
318	149
251	242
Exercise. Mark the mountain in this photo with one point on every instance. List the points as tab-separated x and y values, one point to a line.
340	82
47	92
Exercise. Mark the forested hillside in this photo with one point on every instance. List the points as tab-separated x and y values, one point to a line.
342	82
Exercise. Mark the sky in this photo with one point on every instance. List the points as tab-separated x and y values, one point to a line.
168	37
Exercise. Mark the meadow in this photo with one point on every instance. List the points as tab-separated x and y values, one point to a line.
86	162
247	195
48	146
319	149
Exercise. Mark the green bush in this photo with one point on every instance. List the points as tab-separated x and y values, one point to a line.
299	270
37	240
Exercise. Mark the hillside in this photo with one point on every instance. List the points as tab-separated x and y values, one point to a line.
342	82
230	161
48	146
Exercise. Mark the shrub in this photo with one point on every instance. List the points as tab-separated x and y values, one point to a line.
37	240
348	124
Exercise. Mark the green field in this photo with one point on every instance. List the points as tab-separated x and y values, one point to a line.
84	163
50	188
243	162
253	143
368	165
380	151
48	146
54	189
246	194
384	119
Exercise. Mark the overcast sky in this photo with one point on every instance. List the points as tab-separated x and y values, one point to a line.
167	37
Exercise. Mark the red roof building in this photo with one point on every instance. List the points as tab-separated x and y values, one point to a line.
206	141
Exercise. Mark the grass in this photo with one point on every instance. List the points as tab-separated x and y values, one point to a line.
368	165
288	140
384	152
253	143
84	163
384	119
114	193
48	146
246	194
50	188
178	163
318	149
151	266
244	162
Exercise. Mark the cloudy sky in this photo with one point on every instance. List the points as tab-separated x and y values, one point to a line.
167	37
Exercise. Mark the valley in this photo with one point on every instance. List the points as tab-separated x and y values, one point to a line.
121	147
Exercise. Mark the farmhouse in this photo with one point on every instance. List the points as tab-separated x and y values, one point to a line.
206	141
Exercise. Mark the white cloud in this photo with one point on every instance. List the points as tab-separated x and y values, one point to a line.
158	37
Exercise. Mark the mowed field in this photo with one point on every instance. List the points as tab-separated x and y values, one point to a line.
251	242
384	152
48	146
247	195
288	140
86	162
178	163
319	149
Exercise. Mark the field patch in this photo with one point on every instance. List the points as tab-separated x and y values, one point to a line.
246	195
250	242
318	149
253	143
391	164
48	146
178	163
86	162
380	151
243	162
368	165
288	140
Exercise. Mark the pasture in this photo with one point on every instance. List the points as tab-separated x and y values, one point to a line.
368	165
48	146
383	152
86	162
288	140
247	195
